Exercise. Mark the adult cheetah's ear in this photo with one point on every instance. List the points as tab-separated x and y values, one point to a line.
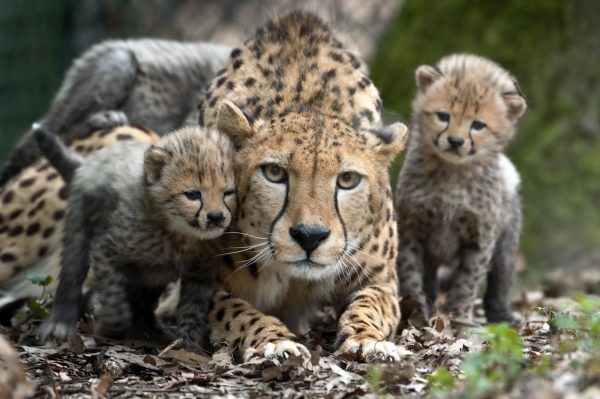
233	122
515	102
426	75
389	140
155	159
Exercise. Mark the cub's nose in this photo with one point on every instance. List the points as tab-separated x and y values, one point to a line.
215	218
309	238
455	142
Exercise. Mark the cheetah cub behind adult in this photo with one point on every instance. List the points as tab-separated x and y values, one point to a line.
142	215
458	202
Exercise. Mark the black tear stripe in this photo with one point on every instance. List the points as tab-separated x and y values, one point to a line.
281	212
437	138
472	151
337	210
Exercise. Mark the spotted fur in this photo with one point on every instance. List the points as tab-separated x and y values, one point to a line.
306	123
458	202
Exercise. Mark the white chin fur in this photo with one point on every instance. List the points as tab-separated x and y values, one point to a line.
511	177
309	273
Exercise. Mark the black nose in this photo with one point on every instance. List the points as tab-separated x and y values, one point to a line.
309	238
215	217
455	142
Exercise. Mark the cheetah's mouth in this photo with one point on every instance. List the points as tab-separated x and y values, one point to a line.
306	263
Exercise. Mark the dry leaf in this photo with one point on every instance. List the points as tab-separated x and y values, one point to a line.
100	389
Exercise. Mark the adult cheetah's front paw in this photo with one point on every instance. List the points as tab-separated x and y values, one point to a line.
371	351
279	350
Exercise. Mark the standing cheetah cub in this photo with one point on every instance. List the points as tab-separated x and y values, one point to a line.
458	202
142	216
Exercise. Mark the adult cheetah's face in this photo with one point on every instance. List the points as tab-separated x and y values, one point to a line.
310	188
464	110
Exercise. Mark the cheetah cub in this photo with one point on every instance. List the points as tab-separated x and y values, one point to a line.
458	202
141	215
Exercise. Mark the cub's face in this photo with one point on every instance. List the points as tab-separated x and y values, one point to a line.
466	110
311	190
190	181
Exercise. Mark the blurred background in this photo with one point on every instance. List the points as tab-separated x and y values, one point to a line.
551	46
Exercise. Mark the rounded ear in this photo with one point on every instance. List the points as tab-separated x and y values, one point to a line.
389	141
425	75
516	105
233	122
155	159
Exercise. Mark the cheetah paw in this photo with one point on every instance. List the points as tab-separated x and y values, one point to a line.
280	351
371	351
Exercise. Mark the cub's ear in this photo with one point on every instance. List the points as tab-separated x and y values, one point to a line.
515	102
388	141
155	159
232	122
425	75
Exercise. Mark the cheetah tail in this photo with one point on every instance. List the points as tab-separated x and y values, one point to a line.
60	157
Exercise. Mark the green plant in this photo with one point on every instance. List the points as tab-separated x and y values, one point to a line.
374	376
38	306
485	372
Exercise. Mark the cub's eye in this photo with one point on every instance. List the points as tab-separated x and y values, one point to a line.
274	173
229	192
443	116
193	195
477	125
348	180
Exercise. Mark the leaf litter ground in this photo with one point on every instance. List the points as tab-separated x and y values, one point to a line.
91	367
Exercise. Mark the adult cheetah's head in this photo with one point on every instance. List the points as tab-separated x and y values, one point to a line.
466	107
311	189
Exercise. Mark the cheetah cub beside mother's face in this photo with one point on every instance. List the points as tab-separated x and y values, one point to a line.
458	202
142	215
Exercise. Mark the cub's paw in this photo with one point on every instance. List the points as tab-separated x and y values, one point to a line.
371	351
106	120
279	350
56	331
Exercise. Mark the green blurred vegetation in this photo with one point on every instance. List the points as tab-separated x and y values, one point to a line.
553	48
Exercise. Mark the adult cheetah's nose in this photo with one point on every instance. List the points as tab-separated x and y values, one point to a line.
455	142
309	238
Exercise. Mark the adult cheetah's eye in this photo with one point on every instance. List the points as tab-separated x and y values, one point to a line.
477	125
443	116
193	195
348	180
229	192
274	173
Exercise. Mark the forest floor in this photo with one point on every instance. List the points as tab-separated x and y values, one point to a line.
553	353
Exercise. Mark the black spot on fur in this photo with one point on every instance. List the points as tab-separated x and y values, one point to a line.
32	229
59	215
8	197
250	82
63	193
27	182
220	81
15	231
15	214
7	257
48	232
124	137
235	53
220	314
38	194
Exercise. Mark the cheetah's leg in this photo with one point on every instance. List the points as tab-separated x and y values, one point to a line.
497	295
112	309
368	323
466	282
411	274
251	333
192	311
